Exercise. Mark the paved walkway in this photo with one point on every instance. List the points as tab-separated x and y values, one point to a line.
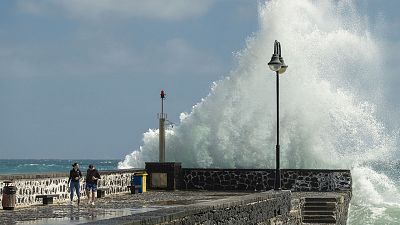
108	207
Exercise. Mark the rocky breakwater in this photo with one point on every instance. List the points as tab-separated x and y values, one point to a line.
30	185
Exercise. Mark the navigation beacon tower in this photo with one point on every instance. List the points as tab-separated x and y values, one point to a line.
162	117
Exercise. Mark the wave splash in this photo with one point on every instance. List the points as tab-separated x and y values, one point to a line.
328	102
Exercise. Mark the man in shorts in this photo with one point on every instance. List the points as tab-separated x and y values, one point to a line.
92	176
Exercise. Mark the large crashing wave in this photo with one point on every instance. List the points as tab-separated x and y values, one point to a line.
325	118
328	97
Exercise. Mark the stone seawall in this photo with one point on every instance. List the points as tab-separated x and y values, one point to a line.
30	185
264	179
264	208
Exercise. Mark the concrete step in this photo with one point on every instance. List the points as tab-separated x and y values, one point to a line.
320	204
320	199
318	216
319	219
321	208
318	213
318	224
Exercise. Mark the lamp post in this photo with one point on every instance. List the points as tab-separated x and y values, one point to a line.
278	65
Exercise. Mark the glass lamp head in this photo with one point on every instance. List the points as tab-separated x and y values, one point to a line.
283	66
275	64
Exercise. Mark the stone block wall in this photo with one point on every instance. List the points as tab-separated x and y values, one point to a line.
30	185
261	208
264	179
264	208
316	180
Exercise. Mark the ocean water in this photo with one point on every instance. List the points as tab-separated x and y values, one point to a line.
23	166
331	98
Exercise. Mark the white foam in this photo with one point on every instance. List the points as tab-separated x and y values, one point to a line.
329	97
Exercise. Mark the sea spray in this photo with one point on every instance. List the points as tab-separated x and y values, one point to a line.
329	96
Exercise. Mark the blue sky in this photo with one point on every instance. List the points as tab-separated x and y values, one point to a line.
81	79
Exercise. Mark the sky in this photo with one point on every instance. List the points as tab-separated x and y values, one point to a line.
80	79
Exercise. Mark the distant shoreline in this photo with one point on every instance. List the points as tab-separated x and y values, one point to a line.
32	166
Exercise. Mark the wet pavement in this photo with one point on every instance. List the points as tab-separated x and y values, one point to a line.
109	207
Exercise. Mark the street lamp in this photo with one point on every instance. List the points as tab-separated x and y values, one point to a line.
278	65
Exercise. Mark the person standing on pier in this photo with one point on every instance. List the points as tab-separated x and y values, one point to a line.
74	177
92	176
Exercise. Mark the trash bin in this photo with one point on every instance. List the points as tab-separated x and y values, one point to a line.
132	186
139	181
9	196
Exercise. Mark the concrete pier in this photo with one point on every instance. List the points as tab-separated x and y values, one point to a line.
181	207
204	196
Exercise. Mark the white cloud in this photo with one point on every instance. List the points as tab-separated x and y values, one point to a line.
95	9
180	56
173	57
245	11
31	7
